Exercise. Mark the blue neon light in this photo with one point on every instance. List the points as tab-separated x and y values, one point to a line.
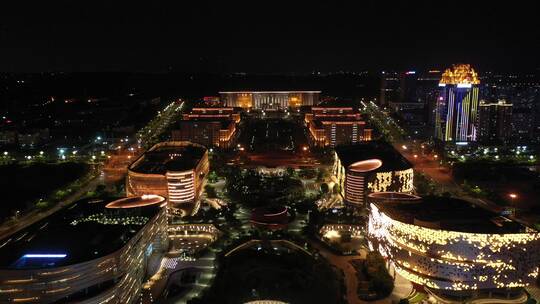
46	256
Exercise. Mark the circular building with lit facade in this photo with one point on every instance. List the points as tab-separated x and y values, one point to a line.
455	250
175	170
94	251
370	167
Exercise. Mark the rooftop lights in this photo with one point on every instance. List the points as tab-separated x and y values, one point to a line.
45	255
462	75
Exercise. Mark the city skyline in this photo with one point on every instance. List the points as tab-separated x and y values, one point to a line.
270	153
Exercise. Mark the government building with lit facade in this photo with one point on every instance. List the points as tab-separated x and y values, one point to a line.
94	251
334	126
370	167
456	113
269	100
457	251
176	170
210	127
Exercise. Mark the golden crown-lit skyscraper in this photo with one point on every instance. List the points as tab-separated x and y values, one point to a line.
457	104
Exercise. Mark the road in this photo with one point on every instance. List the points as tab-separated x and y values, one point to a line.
157	126
429	165
34	216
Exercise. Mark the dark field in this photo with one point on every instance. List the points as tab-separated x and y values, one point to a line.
23	184
291	277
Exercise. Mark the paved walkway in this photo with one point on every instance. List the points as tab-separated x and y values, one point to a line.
166	274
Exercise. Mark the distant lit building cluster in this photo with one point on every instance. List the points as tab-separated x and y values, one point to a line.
63	257
211	126
494	122
457	105
524	95
175	170
455	250
370	167
444	104
333	126
269	100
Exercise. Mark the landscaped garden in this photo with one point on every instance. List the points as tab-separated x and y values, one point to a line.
375	281
266	270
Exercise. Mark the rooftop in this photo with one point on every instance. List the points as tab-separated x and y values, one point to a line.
319	122
460	74
391	159
338	103
84	231
163	156
447	214
269	91
224	122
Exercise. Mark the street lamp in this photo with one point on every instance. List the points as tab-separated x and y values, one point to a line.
513	197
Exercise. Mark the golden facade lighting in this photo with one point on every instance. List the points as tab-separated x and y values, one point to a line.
453	260
334	126
175	170
460	74
359	175
269	100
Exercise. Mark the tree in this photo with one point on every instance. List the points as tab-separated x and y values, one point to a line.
324	188
321	175
100	189
212	177
380	281
210	191
41	204
290	171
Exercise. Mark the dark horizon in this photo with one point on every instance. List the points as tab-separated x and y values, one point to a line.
266	39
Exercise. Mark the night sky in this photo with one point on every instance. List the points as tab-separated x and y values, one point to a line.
267	36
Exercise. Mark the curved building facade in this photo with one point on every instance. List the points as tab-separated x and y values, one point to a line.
175	170
89	252
452	248
371	167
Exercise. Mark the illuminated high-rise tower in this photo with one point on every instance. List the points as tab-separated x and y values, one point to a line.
457	104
